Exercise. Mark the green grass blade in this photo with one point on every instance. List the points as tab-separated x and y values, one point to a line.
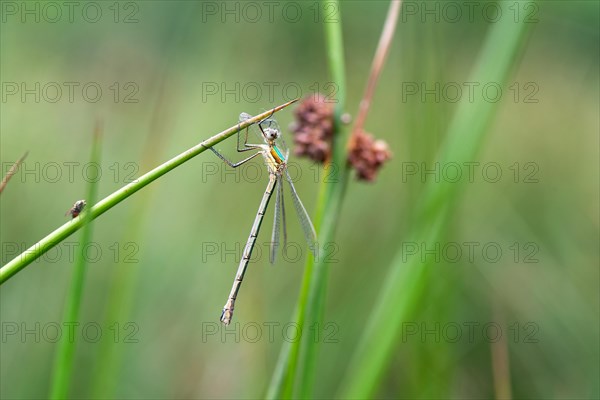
407	280
296	359
63	366
60	234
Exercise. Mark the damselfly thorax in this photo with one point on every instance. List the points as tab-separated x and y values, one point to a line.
275	159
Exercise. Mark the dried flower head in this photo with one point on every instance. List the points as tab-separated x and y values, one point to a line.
313	128
367	155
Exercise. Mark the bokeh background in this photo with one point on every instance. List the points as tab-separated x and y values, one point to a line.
174	73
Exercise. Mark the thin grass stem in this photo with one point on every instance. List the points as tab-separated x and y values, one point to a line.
13	170
60	234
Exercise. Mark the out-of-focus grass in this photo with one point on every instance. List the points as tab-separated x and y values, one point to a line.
408	276
123	286
65	351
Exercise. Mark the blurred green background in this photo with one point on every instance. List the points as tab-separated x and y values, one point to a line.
174	73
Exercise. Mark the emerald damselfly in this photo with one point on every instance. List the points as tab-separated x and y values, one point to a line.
275	155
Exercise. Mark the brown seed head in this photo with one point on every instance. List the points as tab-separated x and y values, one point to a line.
367	156
313	128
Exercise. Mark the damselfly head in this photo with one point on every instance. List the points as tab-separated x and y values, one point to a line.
271	133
